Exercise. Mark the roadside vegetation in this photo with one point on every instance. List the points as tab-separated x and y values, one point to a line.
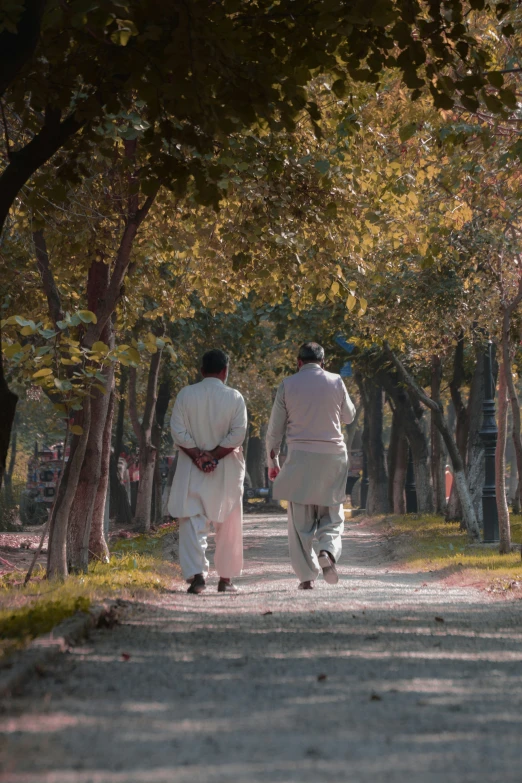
426	542
137	567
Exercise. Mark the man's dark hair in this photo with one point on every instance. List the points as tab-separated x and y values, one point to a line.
214	361
311	352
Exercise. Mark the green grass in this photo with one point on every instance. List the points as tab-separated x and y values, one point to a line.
136	568
427	542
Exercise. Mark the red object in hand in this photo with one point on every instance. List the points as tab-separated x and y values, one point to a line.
273	473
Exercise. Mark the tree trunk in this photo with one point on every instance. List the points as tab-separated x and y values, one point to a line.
454	511
475	459
120	421
500	453
256	459
397	465
86	499
8	477
143	431
372	396
57	547
458	466
98	548
515	413
416	438
157	488
82	510
8	402
438	472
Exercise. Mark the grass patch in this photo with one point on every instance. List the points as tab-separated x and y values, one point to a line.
136	567
427	543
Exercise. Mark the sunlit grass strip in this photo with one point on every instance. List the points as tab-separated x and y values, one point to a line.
431	543
136	566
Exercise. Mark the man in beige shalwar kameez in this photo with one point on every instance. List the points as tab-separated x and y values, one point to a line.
311	407
208	426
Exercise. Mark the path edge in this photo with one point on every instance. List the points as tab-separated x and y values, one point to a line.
22	665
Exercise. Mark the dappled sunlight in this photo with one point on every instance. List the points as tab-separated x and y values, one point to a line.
390	670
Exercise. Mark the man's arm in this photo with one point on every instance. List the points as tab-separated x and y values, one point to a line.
347	407
276	431
182	436
235	436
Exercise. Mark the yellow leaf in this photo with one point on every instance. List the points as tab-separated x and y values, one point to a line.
133	355
321	297
11	350
76	429
350	302
27	330
334	290
42	373
100	347
364	305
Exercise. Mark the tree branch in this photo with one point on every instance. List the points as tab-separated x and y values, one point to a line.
48	282
133	408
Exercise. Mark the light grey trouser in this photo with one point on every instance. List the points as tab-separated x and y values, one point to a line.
306	522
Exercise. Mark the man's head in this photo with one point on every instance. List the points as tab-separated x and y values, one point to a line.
215	364
310	353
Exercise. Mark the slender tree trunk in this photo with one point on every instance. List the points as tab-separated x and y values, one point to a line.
372	396
8	402
454	510
57	548
458	465
475	459
8	478
120	421
256	460
500	453
98	548
438	473
86	500
157	504
397	465
82	509
143	430
416	438
515	412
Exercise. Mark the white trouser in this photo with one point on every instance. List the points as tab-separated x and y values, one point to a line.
306	522
228	557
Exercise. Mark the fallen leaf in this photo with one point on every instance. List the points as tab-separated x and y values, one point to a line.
268	612
375	697
125	656
322	677
439	619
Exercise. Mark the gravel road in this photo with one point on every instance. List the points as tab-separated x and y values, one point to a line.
389	676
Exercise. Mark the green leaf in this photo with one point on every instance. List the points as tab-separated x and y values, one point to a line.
322	166
407	131
87	316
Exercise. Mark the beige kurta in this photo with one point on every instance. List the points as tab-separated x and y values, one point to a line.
311	407
206	415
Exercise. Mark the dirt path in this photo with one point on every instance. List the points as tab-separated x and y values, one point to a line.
390	676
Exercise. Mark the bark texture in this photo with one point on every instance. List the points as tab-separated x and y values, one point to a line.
500	464
372	396
397	465
57	548
438	461
143	431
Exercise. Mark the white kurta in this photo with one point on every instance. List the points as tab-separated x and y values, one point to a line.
206	415
311	406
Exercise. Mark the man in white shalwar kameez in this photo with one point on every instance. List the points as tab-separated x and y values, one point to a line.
311	407
208	425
